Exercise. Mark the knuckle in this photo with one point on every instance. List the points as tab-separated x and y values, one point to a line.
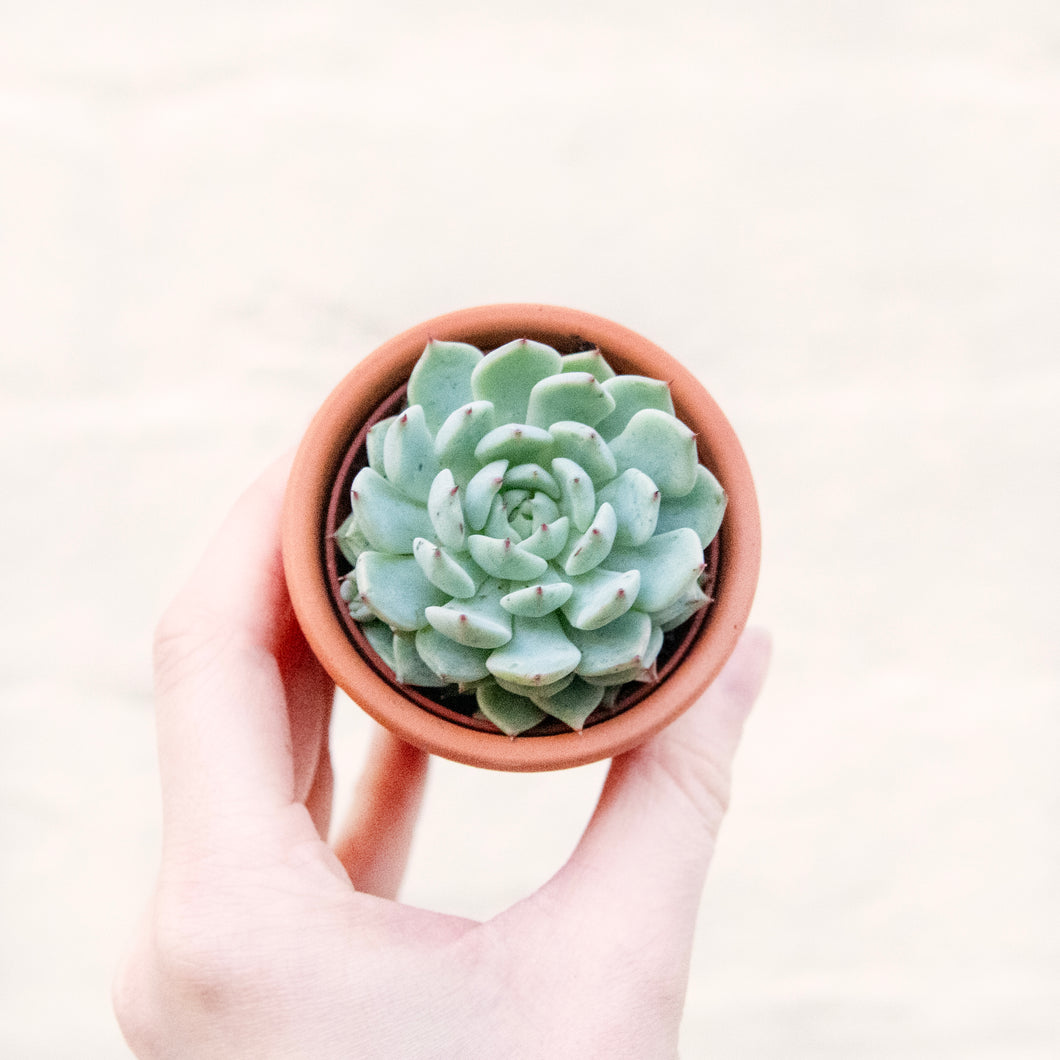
197	924
180	976
134	1005
187	640
703	784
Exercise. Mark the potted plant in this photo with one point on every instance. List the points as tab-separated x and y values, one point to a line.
521	537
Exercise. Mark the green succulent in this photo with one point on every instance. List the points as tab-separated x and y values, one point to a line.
527	529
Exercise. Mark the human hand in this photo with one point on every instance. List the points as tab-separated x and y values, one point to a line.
261	940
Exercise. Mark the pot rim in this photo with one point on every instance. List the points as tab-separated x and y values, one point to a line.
324	447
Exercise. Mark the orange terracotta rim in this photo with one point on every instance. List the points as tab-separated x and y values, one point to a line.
325	446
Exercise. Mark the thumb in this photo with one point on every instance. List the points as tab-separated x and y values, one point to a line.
642	862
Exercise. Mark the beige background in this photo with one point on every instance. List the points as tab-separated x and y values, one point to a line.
843	215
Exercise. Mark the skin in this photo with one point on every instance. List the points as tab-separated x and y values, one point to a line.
262	940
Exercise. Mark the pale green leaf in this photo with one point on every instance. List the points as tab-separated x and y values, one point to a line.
408	454
538	653
457	438
660	446
409	667
635	498
588	361
701	509
454	662
631	393
441	380
594	546
511	713
669	566
600	596
395	590
389	520
573	704
573	396
507	375
620	645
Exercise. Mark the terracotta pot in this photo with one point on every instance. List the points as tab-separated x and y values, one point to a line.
323	467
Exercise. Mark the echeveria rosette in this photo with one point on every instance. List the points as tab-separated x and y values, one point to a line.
527	529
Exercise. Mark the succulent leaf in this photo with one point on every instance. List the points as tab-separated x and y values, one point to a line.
600	597
533	601
635	499
586	447
616	678
549	540
573	396
537	694
591	361
394	589
594	546
381	638
538	653
389	520
533	478
446	510
457	438
374	442
508	374
453	662
681	610
443	570
351	596
350	540
497	524
503	558
511	713
408	454
477	623
631	394
655	643
621	645
543	509
662	447
409	668
669	566
572	704
701	509
478	500
441	381
521	443
577	493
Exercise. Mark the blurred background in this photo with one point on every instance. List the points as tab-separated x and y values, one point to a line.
843	216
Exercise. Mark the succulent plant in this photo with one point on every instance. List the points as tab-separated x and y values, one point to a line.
527	529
